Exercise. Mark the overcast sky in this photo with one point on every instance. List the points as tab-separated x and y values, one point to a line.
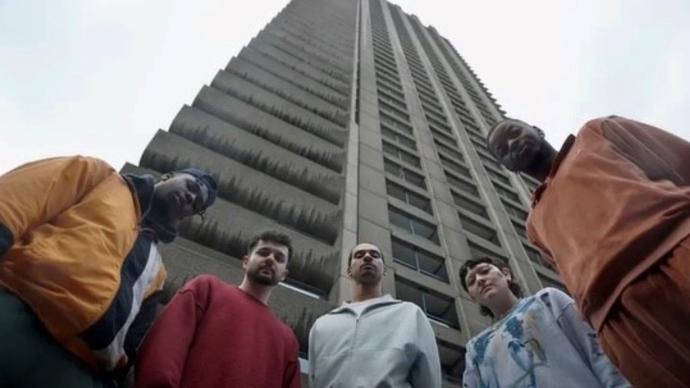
99	77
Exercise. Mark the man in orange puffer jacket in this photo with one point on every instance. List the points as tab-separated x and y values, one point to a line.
79	262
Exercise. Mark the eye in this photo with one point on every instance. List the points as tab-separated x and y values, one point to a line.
195	187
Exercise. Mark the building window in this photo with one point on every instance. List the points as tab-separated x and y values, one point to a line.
396	152
395	123
407	196
454	166
488	160
391	91
497	175
392	100
438	307
403	173
505	193
536	257
398	138
412	224
419	260
478	229
515	211
392	110
438	124
462	185
519	228
448	150
478	145
469	205
531	183
478	252
452	361
440	135
302	288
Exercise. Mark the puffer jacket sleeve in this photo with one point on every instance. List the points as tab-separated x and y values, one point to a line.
36	192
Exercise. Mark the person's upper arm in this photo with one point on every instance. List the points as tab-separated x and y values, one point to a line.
312	355
163	353
583	338
659	154
36	192
426	371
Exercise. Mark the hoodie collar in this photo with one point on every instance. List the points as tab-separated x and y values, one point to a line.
143	188
373	303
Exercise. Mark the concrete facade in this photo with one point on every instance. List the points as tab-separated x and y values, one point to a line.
346	121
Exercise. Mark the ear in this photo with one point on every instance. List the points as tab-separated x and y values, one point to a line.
167	176
349	272
285	274
245	262
506	273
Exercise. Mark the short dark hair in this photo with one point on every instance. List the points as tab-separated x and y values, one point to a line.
471	263
352	251
272	236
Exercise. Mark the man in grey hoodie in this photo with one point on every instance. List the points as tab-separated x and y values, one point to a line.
373	340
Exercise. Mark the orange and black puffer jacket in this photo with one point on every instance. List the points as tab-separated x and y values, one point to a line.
73	248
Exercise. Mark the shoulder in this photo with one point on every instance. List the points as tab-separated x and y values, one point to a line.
204	283
608	125
86	163
554	298
409	307
333	315
478	344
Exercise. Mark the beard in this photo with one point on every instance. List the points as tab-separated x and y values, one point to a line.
256	276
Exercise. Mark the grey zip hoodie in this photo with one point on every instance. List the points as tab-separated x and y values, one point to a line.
389	344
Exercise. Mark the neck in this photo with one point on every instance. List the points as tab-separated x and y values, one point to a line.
159	215
259	291
501	306
541	167
362	292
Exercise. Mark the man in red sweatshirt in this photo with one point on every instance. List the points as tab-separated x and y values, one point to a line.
213	334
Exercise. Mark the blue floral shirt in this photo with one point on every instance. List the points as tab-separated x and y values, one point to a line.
542	342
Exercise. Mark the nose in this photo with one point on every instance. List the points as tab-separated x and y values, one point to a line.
271	256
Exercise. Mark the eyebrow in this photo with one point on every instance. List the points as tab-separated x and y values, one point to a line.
474	270
366	250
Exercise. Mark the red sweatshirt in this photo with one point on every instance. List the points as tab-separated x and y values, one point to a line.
215	335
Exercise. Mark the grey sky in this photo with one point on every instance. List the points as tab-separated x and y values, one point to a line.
99	77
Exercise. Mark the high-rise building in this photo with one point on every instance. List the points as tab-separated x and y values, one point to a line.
347	121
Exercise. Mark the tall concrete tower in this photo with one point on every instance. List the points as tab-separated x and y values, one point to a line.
347	121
